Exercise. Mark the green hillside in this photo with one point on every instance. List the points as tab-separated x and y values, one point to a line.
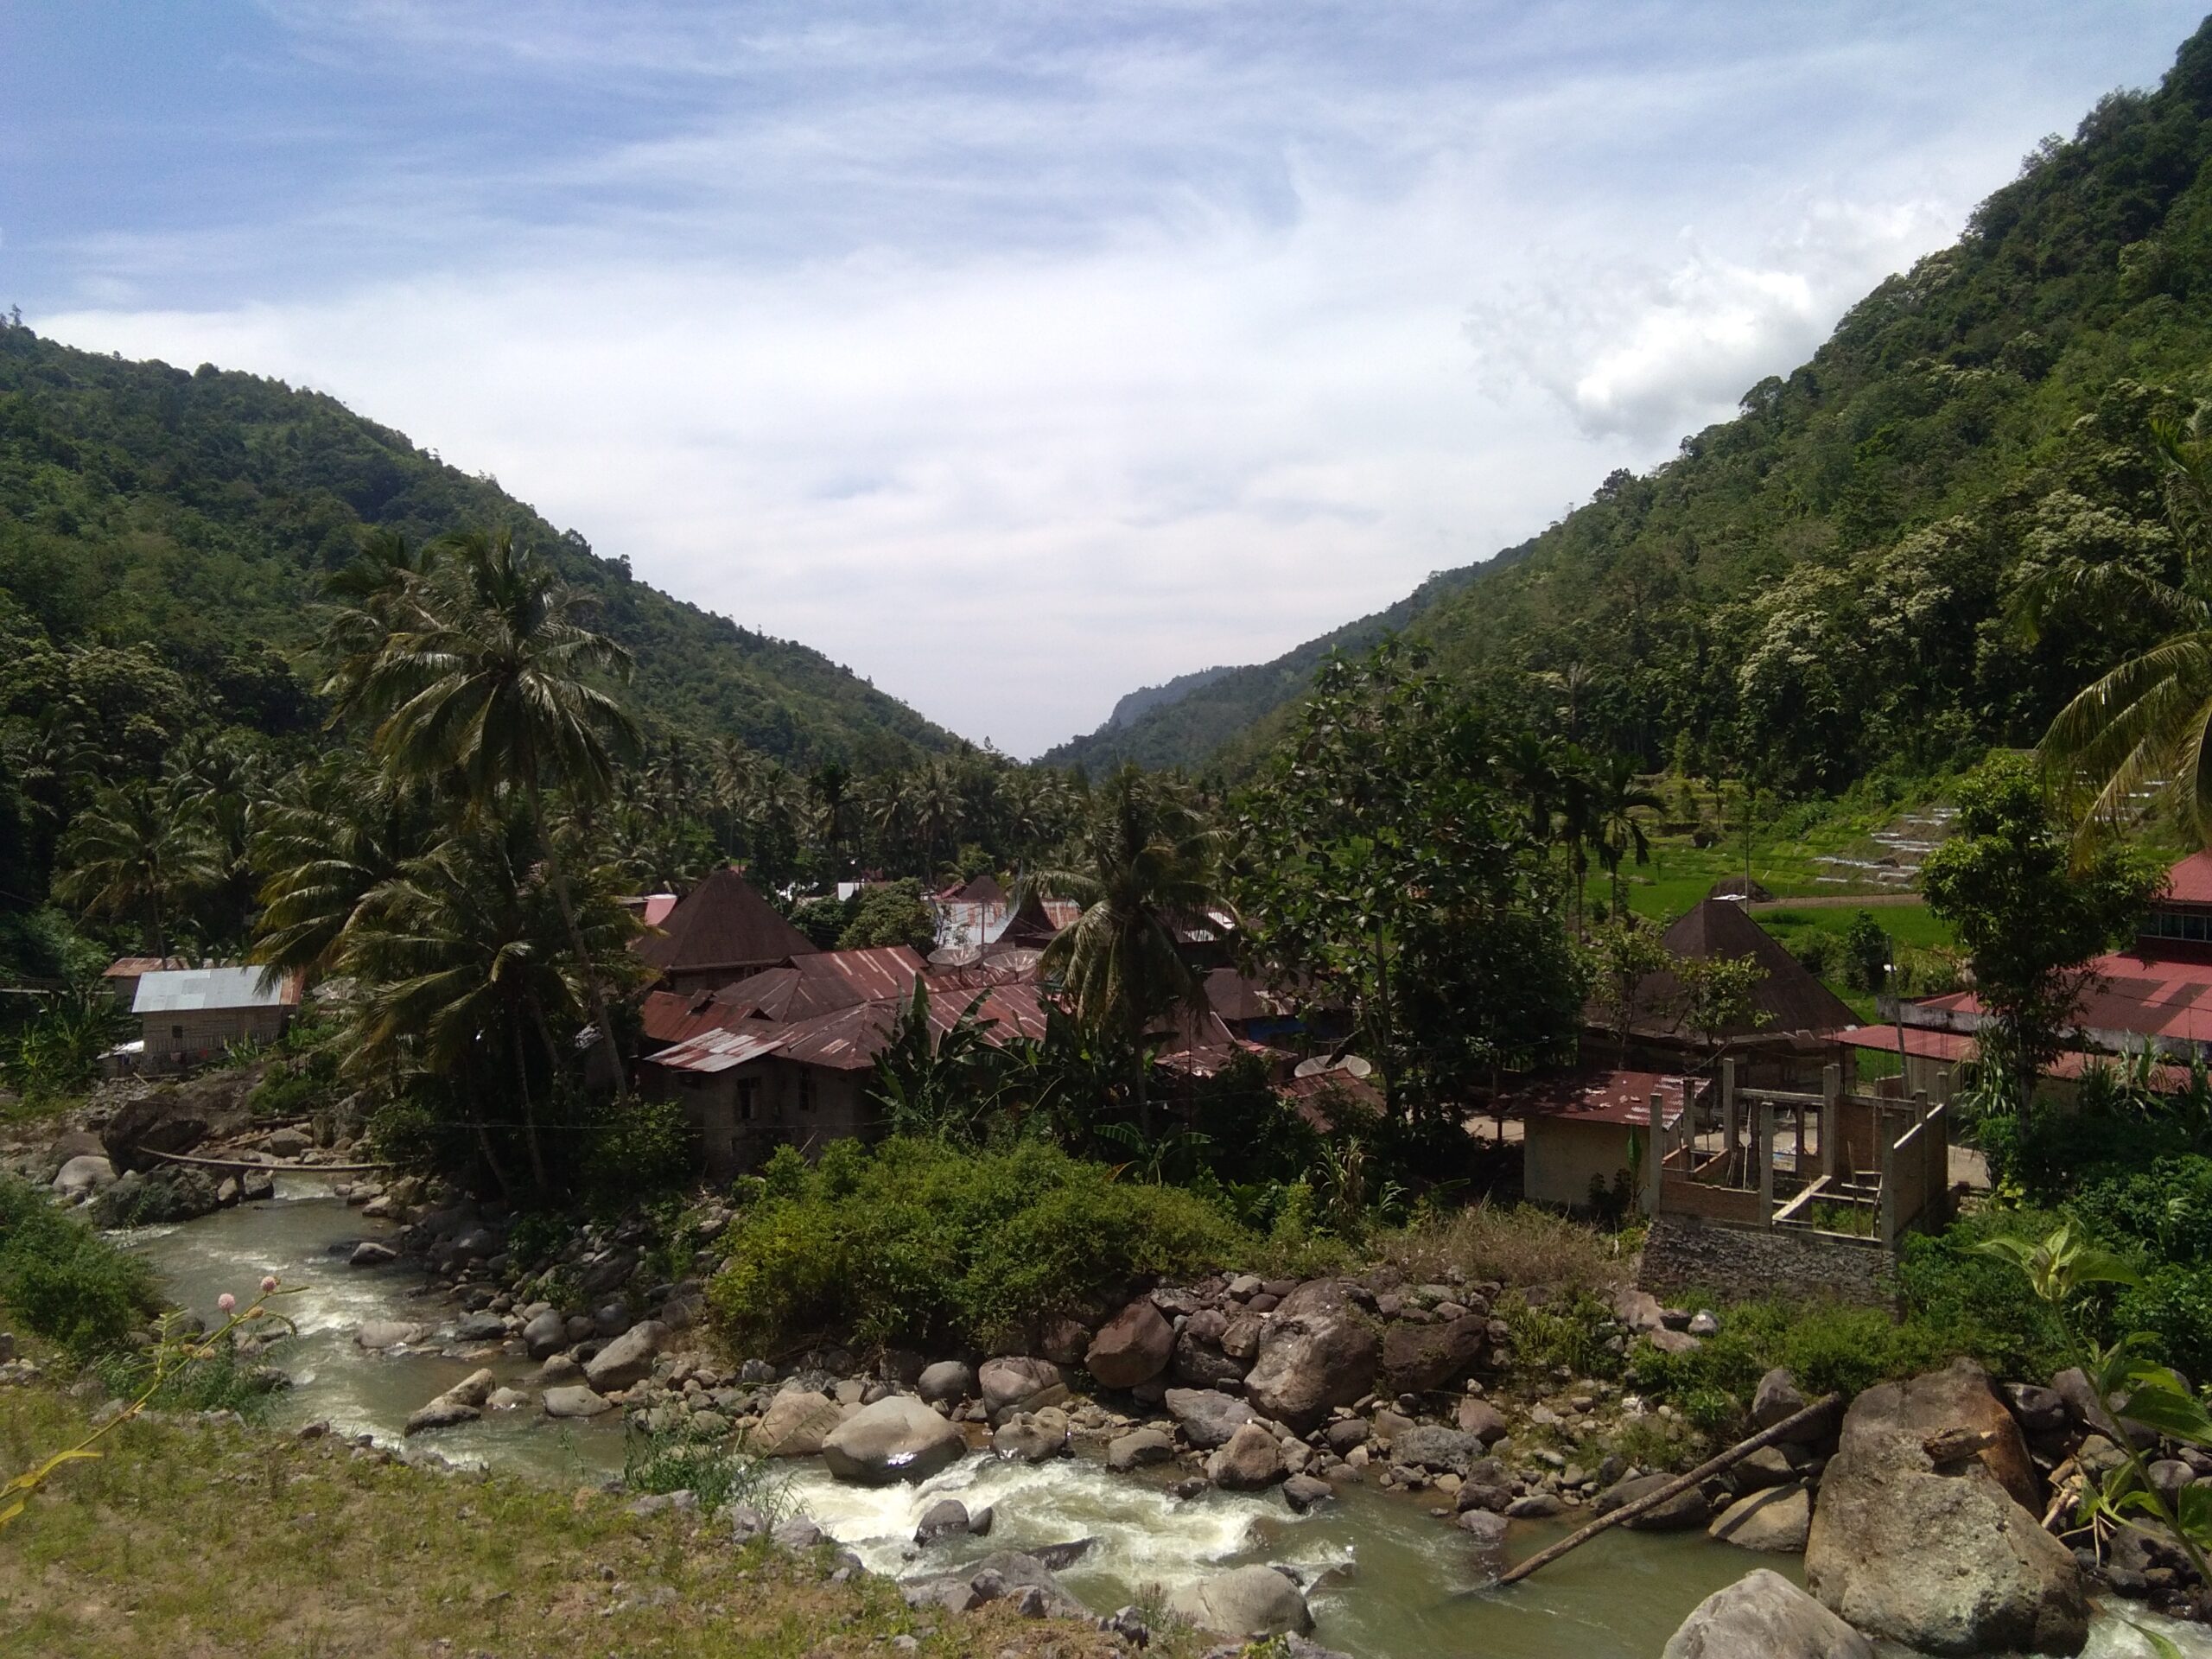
1817	589
195	513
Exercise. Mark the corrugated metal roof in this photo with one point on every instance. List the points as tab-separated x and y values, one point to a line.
135	966
721	924
718	1050
194	990
1597	1095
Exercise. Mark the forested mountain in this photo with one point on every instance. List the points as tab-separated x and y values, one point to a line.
1205	709
1824	585
195	513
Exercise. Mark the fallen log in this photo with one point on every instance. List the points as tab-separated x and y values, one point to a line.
1674	1489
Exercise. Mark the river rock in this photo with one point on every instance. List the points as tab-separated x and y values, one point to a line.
1248	1461
1775	1520
559	1369
1481	1419
796	1423
376	1335
1019	1382
1203	1365
1302	1492
896	1439
946	1381
946	1518
505	1400
545	1333
485	1326
287	1143
1247	1603
2037	1409
461	1403
575	1401
1944	1560
1777	1399
1208	1416
627	1359
1137	1448
1417	1358
84	1173
1031	1436
1062	1340
369	1254
1430	1446
1318	1350
1764	1615
1132	1347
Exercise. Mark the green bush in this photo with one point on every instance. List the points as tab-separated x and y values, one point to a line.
921	1244
64	1282
638	1149
1829	1346
1975	1300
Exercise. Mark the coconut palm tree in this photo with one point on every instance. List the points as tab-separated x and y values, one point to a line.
138	850
2142	734
1143	862
485	685
1616	797
329	836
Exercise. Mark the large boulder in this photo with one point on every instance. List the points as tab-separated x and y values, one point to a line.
796	1423
1208	1417
1019	1382
1776	1520
1687	1509
159	1121
1941	1557
574	1401
1318	1350
149	1200
1137	1448
1031	1436
948	1380
545	1333
1417	1358
897	1437
1764	1615
1247	1603
377	1335
1132	1347
628	1360
1434	1447
83	1174
1249	1461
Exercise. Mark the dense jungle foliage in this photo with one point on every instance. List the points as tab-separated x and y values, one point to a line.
1817	589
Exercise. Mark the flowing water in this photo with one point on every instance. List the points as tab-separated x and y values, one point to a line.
1386	1579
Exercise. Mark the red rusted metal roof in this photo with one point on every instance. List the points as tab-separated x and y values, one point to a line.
137	967
2189	882
1952	1047
721	925
717	1051
1598	1095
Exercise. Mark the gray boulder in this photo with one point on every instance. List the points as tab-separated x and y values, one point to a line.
796	1423
1132	1347
1777	1399
461	1403
897	1437
1208	1417
1942	1559
1417	1358
1764	1615
1430	1447
946	1518
371	1254
485	1326
1247	1603
1137	1448
1776	1520
574	1401
945	1382
1033	1436
376	1335
1481	1419
1250	1460
545	1333
84	1173
1019	1382
1678	1514
628	1360
1318	1350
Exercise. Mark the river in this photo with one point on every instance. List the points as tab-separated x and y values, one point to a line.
1388	1580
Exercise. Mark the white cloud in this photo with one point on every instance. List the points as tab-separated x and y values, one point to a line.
1014	371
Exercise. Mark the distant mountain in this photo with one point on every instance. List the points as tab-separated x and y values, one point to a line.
1184	722
1823	586
196	511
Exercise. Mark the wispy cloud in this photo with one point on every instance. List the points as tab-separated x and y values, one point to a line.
1016	357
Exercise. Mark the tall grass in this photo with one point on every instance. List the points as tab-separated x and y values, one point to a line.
717	1470
62	1281
1518	1245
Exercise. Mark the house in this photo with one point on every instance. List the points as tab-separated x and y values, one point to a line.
191	1015
122	975
2156	994
1590	1128
790	1054
719	931
1787	1043
966	912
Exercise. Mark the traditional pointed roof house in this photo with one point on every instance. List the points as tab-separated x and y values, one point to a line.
719	931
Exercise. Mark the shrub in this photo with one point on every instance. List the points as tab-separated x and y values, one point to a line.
717	1470
922	1243
637	1149
64	1282
1946	1285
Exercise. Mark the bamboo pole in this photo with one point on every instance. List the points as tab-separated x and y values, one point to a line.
1673	1489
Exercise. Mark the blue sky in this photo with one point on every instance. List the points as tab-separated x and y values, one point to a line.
1016	355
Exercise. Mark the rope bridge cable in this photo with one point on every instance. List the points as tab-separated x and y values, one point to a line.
256	1164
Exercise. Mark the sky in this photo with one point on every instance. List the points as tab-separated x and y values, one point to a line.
1017	355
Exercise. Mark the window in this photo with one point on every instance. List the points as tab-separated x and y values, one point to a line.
749	1096
176	1035
805	1090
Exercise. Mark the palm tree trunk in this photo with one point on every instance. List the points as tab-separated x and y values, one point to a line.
599	1004
529	1114
492	1162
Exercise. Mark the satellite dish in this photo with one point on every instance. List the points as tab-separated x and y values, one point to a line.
1356	1066
1313	1068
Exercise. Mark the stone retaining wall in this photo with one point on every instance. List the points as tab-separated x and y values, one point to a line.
1680	1251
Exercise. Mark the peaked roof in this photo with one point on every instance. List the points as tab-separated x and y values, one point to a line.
2189	882
722	925
821	983
201	990
983	890
1789	994
1035	921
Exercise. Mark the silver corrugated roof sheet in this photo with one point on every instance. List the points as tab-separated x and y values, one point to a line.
194	990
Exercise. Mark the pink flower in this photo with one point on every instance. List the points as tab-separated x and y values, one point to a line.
268	1284
227	1302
